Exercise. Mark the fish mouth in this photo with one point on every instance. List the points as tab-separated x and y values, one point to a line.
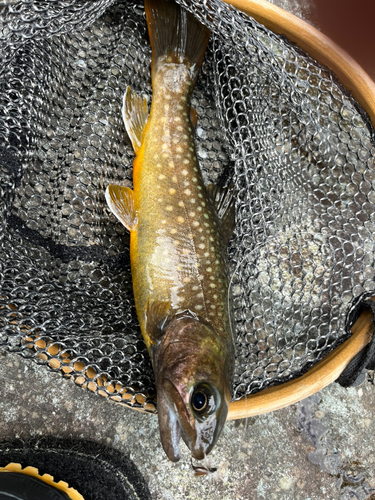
176	421
173	419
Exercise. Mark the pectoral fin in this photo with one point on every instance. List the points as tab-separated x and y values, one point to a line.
193	117
120	200
224	201
157	315
135	116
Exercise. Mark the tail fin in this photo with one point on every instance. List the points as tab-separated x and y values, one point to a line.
175	34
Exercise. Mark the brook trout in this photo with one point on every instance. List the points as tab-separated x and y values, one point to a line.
179	230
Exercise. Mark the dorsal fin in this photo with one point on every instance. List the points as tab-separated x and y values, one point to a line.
135	116
224	201
120	200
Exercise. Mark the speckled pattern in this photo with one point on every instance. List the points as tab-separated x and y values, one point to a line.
319	449
179	254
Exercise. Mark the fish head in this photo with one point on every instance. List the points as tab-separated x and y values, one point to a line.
193	374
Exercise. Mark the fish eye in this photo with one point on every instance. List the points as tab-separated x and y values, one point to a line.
199	401
203	401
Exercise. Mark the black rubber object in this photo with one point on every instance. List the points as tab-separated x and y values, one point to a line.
97	472
18	486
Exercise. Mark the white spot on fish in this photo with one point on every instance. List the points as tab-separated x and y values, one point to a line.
169	208
201	246
171	191
184	172
180	220
173	231
161	177
195	223
181	204
187	192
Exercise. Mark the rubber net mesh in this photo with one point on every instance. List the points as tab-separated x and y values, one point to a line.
297	147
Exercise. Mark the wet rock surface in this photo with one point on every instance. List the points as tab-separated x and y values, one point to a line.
318	449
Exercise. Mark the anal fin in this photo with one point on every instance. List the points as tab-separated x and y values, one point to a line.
135	116
224	202
120	200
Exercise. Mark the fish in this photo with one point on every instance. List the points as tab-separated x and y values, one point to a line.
179	231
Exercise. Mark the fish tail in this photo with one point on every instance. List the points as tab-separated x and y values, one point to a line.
175	36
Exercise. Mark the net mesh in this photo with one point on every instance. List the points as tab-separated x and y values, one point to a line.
275	123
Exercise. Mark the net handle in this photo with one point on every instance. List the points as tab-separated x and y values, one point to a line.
316	44
322	374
